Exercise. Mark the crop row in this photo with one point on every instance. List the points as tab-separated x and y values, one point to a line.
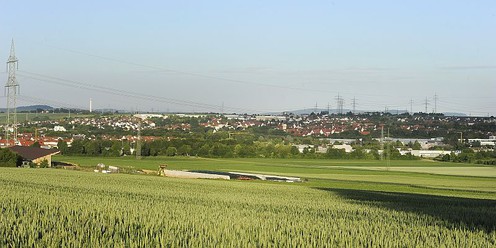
67	208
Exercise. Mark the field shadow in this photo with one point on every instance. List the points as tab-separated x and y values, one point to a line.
454	211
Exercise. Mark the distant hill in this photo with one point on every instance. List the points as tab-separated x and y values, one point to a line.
110	110
34	107
29	108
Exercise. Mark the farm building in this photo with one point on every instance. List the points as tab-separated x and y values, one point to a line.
34	155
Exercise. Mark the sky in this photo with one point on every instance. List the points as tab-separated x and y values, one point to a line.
254	56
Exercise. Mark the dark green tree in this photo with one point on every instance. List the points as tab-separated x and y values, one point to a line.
416	145
116	149
204	151
335	153
35	144
9	158
77	148
171	151
126	149
184	150
294	151
93	148
62	146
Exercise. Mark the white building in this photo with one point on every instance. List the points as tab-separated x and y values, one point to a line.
426	153
270	117
346	148
146	116
59	129
484	142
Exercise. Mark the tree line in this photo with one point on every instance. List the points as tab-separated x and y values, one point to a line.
470	156
215	147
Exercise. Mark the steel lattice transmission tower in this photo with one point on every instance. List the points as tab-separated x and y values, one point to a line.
340	104
11	89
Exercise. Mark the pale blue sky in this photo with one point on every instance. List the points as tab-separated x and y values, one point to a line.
254	56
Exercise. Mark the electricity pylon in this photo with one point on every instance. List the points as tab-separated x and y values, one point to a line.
12	89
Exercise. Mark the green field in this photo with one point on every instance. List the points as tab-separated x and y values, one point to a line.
469	170
349	173
341	204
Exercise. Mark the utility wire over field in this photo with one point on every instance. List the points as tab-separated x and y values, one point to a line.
369	101
124	93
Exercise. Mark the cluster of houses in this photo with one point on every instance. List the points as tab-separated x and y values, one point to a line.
124	122
328	125
323	126
320	125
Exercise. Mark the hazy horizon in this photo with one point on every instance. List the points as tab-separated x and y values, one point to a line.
255	57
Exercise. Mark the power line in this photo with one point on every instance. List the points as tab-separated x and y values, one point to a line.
340	104
354	105
411	106
195	74
160	68
119	92
426	104
435	103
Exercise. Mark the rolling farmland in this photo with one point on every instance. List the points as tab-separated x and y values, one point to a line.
248	124
357	174
48	207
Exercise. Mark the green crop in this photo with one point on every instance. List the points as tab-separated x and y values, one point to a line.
47	207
